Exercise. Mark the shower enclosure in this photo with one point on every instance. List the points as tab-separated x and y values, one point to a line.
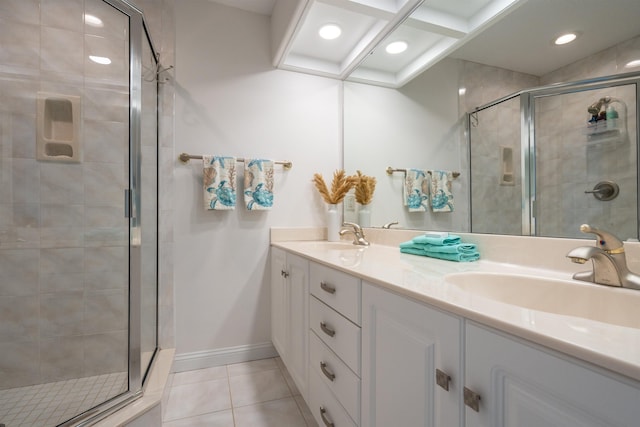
547	159
78	209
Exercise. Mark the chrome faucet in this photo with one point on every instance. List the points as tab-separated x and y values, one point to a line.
609	262
389	224
356	230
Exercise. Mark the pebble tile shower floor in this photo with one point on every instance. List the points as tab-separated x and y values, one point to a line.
50	404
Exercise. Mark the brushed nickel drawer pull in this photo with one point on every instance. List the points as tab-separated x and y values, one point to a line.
327	288
323	414
472	399
442	379
327	330
327	373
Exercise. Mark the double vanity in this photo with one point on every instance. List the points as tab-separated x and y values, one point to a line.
373	337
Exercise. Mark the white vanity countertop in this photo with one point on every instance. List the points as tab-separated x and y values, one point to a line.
613	347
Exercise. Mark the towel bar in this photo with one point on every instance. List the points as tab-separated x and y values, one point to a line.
391	170
184	158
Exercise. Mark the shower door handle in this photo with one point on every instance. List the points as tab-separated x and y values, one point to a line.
127	203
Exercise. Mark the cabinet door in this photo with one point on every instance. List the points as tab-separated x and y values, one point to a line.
279	302
522	385
298	320
403	343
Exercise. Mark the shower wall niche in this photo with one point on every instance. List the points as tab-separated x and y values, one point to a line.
58	128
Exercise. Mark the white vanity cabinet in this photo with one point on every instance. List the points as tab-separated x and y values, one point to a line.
364	355
334	359
290	313
522	385
411	362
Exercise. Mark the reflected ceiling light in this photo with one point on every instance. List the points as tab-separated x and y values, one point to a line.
462	91
396	47
565	38
330	31
634	63
100	59
93	20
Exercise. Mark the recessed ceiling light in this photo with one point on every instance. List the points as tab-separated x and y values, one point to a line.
396	47
93	20
100	59
330	31
462	91
565	38
634	63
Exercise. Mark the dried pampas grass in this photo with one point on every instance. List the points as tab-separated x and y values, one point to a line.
340	186
364	188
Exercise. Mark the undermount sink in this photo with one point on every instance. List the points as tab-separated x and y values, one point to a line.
605	304
332	246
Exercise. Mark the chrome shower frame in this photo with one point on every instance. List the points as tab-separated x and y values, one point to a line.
528	142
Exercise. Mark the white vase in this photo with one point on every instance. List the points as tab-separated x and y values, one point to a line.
333	223
364	216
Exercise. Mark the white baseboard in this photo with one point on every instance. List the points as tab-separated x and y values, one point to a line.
224	356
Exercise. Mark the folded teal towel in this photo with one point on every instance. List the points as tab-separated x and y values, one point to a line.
451	239
460	248
460	257
449	249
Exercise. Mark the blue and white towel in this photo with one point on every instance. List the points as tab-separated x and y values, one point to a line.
441	196
258	184
219	182
416	190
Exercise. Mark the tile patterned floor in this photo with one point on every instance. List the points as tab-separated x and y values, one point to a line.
251	394
53	403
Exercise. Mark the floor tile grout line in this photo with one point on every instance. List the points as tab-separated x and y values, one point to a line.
301	411
265	401
233	412
282	369
284	374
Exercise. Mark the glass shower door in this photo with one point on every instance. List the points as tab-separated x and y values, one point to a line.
149	206
586	162
71	142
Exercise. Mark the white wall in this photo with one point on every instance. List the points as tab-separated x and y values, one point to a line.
230	101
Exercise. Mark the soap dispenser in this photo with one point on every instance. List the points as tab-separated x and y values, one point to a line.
612	116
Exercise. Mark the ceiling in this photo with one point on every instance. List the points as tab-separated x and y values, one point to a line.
263	7
523	41
511	34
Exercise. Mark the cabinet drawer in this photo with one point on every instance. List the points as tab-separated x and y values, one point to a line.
324	406
336	289
342	382
338	333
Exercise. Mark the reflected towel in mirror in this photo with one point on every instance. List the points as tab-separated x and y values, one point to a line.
416	190
440	191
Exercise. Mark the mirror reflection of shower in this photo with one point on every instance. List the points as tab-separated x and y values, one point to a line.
568	148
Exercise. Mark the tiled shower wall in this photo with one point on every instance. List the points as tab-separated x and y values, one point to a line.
63	238
484	84
496	206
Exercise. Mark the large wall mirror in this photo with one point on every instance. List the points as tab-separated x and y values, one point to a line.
566	171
